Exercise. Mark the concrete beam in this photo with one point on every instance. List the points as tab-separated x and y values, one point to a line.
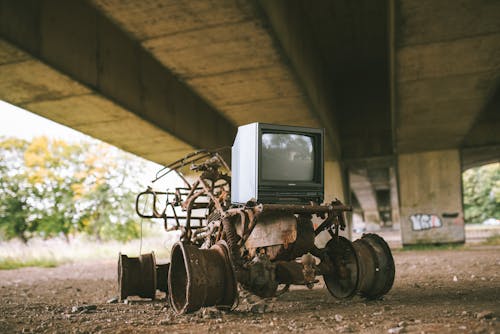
101	62
33	85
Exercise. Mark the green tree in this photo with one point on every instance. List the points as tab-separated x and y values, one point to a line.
51	188
51	166
108	194
14	191
481	187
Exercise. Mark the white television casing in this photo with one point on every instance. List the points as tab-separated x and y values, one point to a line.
245	171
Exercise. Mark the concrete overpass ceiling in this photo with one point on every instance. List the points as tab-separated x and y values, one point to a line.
482	143
352	39
223	50
447	69
104	70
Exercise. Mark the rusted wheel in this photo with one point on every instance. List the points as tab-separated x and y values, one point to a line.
137	276
368	265
201	277
377	264
342	282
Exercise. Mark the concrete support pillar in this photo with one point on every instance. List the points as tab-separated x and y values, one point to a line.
431	197
334	188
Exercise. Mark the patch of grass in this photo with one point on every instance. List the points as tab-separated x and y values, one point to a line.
431	247
494	240
38	252
11	263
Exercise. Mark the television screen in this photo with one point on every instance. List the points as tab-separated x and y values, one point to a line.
287	157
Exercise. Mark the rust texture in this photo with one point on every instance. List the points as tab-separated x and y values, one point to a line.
256	245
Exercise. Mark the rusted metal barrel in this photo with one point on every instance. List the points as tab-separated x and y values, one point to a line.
201	277
137	276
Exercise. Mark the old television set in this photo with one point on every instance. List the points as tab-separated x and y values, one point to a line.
277	164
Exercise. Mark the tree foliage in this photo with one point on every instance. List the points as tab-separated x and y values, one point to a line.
51	188
481	188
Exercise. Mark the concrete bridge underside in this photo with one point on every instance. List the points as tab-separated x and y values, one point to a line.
389	80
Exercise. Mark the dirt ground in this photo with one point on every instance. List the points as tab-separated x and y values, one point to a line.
444	291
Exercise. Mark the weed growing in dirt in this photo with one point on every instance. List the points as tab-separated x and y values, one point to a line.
50	253
10	263
494	240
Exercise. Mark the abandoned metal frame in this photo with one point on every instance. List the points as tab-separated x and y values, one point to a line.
228	257
332	214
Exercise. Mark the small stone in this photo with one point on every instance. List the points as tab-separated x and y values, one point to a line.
338	318
344	329
83	308
455	279
464	313
402	324
487	314
258	308
113	300
462	327
396	330
210	313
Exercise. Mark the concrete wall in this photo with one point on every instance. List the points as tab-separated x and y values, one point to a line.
431	197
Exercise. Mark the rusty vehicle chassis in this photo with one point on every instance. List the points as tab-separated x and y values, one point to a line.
256	245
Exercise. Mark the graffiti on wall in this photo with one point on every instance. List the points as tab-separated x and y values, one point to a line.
424	221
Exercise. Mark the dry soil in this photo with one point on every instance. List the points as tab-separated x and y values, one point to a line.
444	291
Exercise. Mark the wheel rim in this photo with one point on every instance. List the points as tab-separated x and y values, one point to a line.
342	282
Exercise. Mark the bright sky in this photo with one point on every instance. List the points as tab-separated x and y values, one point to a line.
19	123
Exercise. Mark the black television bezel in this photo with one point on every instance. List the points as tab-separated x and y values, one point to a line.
283	188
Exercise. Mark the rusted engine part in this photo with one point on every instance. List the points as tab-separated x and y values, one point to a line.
298	273
254	214
281	238
376	266
267	239
201	277
140	276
